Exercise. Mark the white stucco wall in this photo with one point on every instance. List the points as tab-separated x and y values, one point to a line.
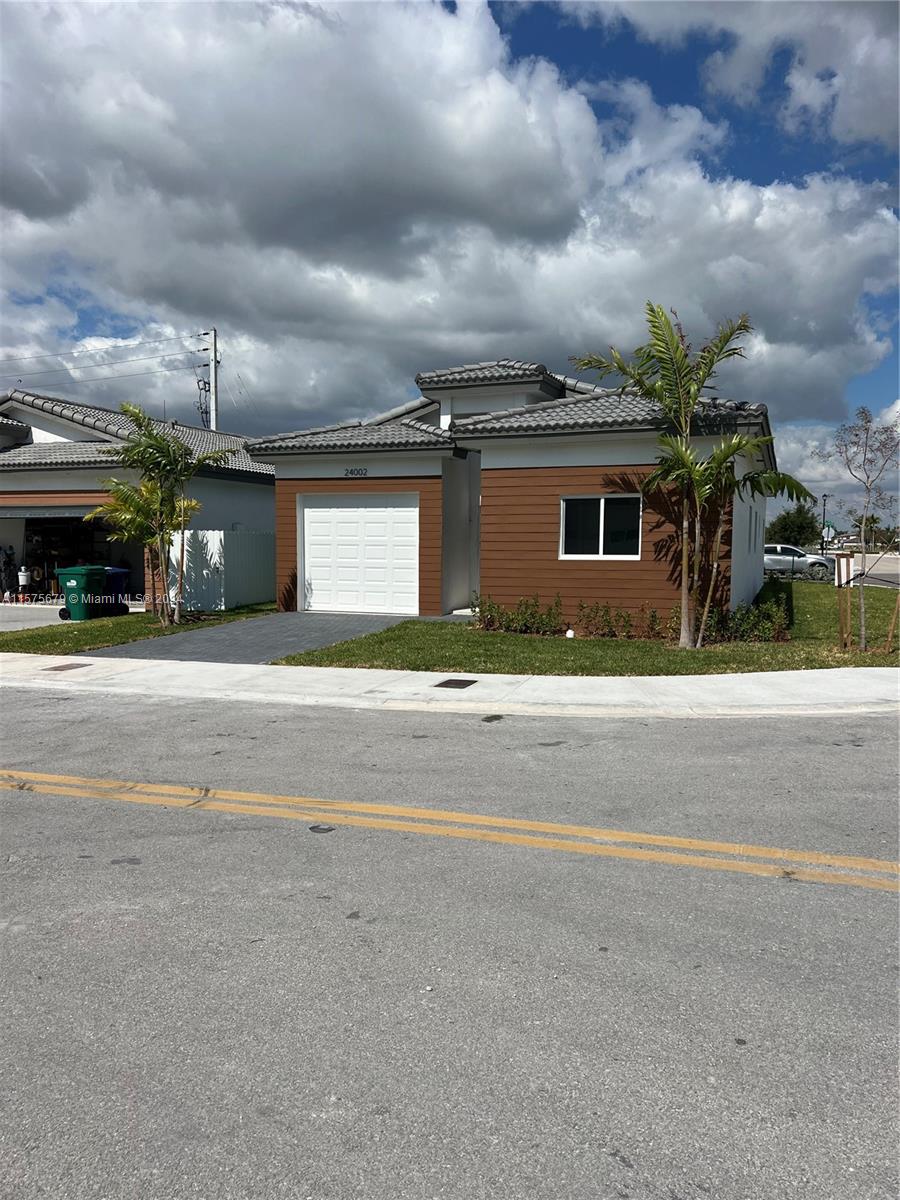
225	568
226	502
584	450
375	466
45	428
230	502
60	481
747	538
474	468
456	531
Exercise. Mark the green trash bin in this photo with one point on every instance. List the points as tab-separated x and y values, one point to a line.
82	589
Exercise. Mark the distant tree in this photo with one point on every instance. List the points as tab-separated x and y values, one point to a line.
870	455
877	532
798	526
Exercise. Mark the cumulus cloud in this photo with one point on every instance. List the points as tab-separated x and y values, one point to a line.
842	75
355	193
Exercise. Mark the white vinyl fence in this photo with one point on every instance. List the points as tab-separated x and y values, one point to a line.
225	568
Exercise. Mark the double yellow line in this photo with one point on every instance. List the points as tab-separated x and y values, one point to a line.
766	861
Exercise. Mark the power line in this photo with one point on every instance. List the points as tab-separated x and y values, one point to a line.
234	402
132	375
87	366
242	387
102	349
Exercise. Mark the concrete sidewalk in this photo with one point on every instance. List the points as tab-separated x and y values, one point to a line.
843	690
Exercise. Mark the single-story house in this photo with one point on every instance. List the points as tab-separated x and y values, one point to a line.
502	479
53	463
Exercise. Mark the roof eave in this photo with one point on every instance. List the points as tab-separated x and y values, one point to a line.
306	451
481	435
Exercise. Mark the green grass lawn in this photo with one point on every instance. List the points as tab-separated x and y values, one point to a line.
444	646
70	637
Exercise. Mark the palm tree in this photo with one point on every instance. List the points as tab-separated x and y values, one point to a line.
169	465
720	485
668	373
713	484
136	512
130	512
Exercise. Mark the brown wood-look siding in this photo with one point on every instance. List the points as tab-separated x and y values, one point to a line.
428	488
51	499
520	527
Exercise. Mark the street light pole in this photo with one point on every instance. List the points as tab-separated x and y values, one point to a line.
825	496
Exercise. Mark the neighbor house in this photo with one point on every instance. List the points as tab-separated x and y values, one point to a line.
54	461
503	479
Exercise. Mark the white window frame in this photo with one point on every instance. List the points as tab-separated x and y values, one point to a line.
602	497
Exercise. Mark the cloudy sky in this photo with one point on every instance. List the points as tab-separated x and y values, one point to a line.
355	192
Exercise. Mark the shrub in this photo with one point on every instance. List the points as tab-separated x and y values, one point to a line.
527	616
673	626
624	624
488	615
653	625
763	621
595	620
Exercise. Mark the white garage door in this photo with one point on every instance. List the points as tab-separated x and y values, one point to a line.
360	553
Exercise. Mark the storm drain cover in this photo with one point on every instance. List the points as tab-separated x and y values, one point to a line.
66	667
456	683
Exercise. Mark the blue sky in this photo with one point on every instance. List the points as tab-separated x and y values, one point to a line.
758	147
487	180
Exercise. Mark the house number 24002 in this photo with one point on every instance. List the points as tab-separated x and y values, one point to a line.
356	472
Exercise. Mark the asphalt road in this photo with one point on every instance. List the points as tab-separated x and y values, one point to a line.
203	1003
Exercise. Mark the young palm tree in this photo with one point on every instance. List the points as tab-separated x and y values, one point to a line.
170	465
136	512
667	372
721	485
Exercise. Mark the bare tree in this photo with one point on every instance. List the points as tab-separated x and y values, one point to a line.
870	454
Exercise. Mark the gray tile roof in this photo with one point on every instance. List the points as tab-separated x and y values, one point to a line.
403	434
12	425
412	408
501	370
600	410
117	426
57	454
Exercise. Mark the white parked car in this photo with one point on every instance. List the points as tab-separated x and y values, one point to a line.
789	560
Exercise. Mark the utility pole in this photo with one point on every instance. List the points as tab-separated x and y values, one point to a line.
213	380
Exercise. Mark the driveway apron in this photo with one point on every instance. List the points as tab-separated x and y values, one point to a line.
254	640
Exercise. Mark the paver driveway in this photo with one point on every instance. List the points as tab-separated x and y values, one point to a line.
255	640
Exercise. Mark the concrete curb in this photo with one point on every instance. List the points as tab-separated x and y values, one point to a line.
781	693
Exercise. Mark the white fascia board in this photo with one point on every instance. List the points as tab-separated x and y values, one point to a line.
375	466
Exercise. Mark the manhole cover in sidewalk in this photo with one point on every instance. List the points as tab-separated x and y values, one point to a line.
66	667
456	683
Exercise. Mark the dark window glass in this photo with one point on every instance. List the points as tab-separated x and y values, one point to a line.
770	549
622	525
581	532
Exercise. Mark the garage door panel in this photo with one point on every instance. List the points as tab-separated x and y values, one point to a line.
360	553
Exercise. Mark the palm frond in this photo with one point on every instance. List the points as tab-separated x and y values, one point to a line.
720	348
